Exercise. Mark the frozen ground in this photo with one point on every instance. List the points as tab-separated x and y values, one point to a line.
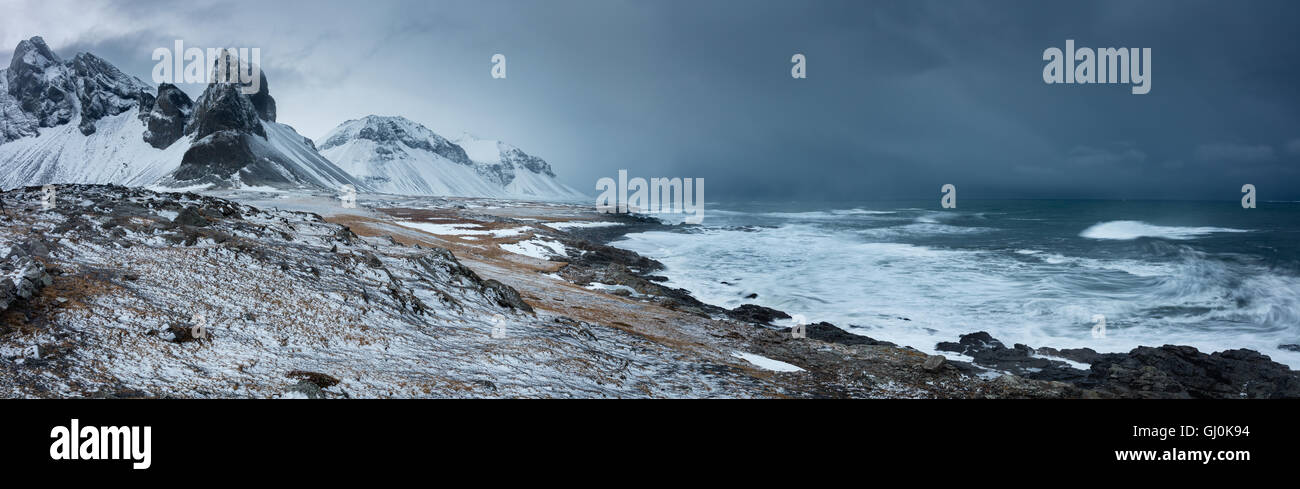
125	292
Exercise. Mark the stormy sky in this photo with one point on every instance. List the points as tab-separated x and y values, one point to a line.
901	96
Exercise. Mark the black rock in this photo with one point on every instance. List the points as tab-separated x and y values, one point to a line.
830	333
1019	360
1081	355
48	99
223	107
103	90
323	381
190	216
970	343
21	277
166	122
51	92
1183	371
751	313
505	295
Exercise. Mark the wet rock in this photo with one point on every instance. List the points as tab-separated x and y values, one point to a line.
1289	347
752	313
1183	371
933	363
830	333
1081	355
970	343
988	352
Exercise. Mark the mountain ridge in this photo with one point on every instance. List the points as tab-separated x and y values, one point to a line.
225	139
130	133
395	154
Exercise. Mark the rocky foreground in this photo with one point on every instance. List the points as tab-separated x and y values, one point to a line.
124	292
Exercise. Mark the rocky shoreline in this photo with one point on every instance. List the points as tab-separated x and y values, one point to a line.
1168	371
404	298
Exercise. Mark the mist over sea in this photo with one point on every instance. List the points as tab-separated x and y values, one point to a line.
1207	274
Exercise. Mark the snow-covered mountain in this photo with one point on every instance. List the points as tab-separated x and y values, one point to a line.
75	121
396	155
522	174
84	121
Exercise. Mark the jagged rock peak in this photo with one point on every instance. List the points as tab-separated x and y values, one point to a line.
237	70
507	156
166	122
51	92
33	53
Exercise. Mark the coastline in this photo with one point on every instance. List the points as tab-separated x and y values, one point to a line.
399	298
991	368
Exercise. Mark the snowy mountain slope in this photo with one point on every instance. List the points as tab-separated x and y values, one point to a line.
74	121
297	155
114	153
522	174
84	121
49	91
237	143
396	155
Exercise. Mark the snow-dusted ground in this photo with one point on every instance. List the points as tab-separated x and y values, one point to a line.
280	291
186	295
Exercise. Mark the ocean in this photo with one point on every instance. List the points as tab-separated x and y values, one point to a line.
1207	274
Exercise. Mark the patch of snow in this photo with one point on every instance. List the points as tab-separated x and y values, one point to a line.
537	248
766	363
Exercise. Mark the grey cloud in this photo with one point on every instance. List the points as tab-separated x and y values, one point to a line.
900	96
1235	153
1293	146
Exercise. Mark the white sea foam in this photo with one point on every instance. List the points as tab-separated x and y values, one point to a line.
920	295
830	214
1126	230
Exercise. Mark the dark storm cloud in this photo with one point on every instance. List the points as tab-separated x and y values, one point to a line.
901	97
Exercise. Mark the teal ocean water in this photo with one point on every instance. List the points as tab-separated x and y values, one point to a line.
1208	274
